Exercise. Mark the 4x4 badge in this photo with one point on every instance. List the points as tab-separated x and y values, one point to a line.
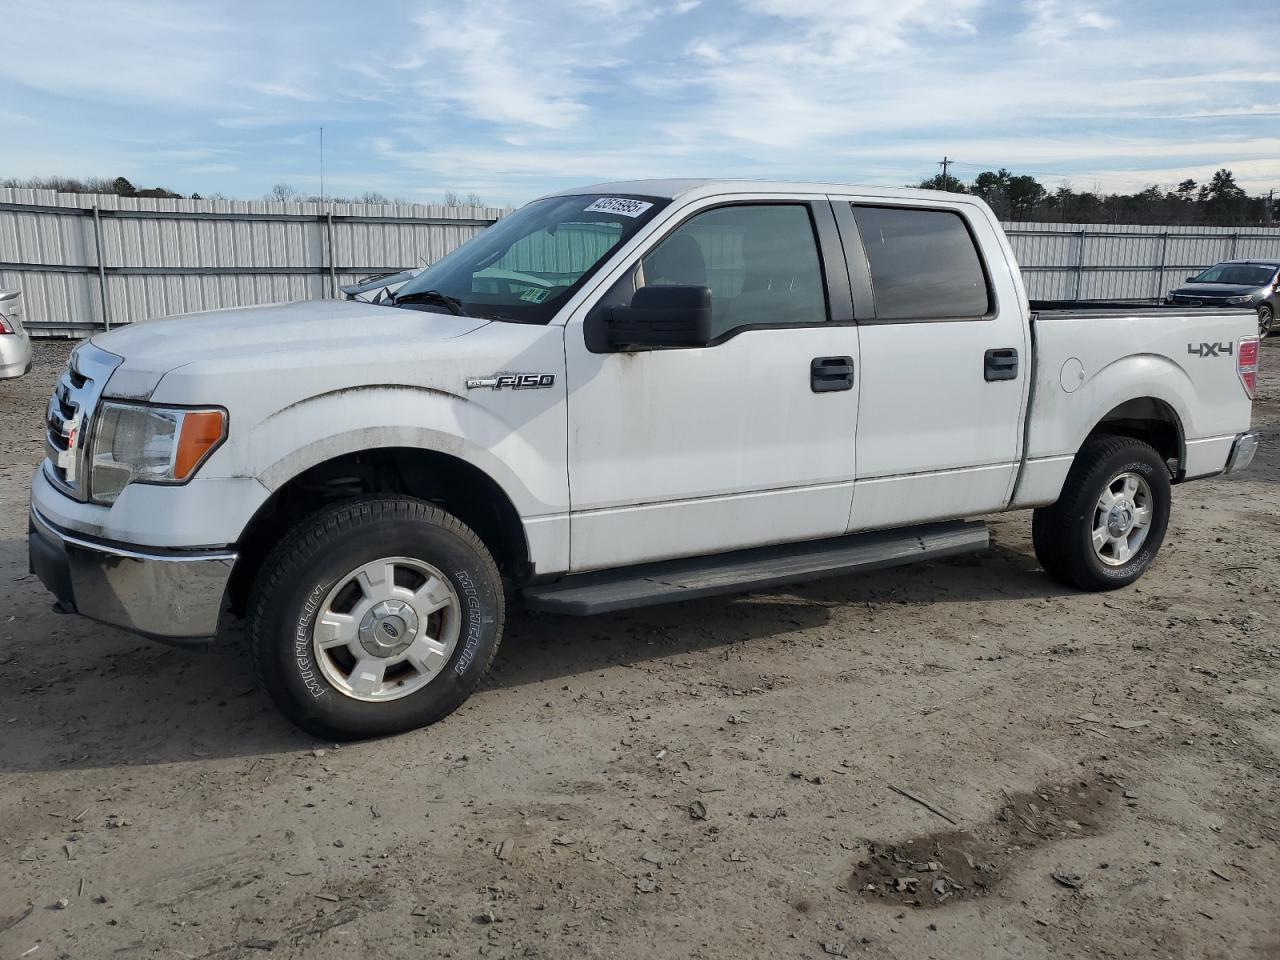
513	381
1210	349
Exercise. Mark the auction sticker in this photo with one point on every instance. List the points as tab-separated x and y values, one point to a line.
628	208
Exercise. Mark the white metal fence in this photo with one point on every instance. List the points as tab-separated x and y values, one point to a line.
1068	261
88	261
84	262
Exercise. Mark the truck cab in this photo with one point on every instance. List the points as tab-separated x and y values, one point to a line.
618	395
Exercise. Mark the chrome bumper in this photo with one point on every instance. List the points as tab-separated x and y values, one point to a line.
1242	452
167	595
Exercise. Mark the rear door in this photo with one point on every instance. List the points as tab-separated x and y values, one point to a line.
945	362
746	441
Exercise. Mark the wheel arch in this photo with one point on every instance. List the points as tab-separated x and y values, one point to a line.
451	482
1150	419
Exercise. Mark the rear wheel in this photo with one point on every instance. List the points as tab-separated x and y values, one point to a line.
1266	317
1106	528
374	617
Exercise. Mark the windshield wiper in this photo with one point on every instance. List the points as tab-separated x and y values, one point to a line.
432	296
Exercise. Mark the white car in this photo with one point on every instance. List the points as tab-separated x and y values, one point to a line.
619	395
15	344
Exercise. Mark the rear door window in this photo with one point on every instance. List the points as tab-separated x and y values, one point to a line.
924	264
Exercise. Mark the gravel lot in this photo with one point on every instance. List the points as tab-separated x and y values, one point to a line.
713	779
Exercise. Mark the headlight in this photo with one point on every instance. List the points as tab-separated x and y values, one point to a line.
1245	299
134	443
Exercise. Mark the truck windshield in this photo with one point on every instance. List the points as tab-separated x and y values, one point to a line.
525	266
1243	274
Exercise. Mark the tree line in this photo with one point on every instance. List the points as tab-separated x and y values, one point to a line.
1221	202
451	198
122	187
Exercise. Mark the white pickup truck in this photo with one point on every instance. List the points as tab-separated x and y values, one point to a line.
618	395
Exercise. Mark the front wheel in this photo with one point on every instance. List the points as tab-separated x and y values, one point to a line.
1266	318
1108	524
375	616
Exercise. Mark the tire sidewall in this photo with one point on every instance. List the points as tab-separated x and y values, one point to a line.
1145	463
290	668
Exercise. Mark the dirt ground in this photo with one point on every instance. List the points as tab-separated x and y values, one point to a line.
731	778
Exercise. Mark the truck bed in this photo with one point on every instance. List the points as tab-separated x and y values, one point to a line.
1098	360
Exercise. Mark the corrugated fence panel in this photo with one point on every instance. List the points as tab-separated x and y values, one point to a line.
161	257
1125	261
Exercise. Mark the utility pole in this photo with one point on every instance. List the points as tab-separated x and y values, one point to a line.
1271	205
322	166
944	163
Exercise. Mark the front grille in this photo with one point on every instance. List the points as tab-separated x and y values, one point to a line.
69	414
1203	301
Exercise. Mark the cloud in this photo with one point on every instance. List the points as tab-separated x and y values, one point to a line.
133	51
514	97
856	29
477	58
1053	21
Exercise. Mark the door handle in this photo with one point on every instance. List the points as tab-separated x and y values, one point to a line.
831	373
1000	364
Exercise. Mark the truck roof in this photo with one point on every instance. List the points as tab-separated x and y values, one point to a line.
695	188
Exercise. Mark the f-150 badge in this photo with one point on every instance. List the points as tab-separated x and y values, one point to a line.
512	381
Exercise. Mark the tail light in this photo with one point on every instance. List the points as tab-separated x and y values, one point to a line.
1247	364
5	326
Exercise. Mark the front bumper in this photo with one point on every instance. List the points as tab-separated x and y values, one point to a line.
164	594
1242	452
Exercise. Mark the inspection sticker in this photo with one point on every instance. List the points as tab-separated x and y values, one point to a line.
628	208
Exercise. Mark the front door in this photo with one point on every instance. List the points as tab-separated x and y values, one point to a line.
744	442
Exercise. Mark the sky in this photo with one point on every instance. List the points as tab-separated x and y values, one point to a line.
513	98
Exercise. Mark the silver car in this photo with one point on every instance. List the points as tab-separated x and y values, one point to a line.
15	345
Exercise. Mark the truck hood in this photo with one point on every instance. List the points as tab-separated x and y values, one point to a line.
283	332
1217	289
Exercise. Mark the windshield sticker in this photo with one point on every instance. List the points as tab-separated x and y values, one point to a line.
535	294
628	208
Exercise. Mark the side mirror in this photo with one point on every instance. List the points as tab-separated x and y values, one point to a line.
661	316
1191	279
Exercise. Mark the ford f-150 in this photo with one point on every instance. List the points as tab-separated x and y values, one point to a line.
618	395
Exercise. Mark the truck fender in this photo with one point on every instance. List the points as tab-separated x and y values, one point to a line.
330	426
1060	421
1136	378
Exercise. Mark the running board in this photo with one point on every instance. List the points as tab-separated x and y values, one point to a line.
756	569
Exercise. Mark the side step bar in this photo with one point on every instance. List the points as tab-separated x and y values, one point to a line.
756	569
